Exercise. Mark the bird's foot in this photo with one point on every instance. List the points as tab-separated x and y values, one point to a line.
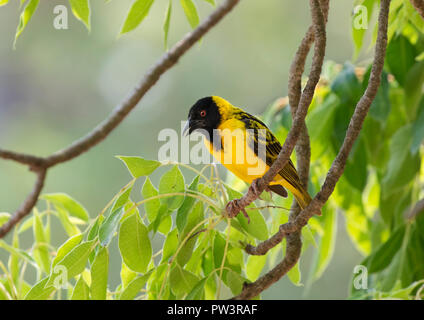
254	188
234	207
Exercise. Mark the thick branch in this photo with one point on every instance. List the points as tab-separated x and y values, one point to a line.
419	6
168	60
253	289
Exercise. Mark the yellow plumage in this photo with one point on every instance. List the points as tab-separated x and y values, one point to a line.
237	152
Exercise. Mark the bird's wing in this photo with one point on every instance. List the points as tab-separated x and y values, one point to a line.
273	147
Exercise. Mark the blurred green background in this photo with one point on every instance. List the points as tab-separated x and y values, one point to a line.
58	84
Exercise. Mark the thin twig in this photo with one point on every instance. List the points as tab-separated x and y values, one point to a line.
168	60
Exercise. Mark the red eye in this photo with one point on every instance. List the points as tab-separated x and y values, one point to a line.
203	113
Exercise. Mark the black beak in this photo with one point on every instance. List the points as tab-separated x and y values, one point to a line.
192	125
186	129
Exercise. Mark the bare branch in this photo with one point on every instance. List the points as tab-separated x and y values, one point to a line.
27	205
27	159
99	133
419	6
253	289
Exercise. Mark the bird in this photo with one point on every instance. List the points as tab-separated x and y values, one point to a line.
230	131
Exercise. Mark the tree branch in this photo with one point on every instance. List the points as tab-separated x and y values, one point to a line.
253	289
298	121
419	6
27	205
99	133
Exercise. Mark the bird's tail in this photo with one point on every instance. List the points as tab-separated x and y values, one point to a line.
302	196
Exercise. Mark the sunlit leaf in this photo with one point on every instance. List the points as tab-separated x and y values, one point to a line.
172	182
134	244
68	203
167	23
99	275
26	15
81	10
190	11
81	290
138	11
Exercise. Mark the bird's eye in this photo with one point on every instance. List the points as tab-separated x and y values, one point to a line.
203	113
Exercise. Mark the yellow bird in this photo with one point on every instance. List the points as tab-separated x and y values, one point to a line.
243	144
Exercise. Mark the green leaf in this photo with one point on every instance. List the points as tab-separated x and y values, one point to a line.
380	107
81	290
109	226
254	266
182	281
67	247
139	167
127	275
123	198
403	166
74	262
138	11
195	217
185	208
414	80
356	166
359	33
170	246
418	129
81	10
64	201
167	23
384	254
151	206
41	251
212	2
26	15
135	286
39	291
198	290
3	2
99	275
134	244
294	275
172	182
234	281
190	11
400	57
4	217
70	228
326	242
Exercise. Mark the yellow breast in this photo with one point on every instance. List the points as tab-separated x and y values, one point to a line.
236	151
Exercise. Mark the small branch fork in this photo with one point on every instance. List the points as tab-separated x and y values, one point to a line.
298	221
40	165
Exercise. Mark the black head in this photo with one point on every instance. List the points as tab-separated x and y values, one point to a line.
204	114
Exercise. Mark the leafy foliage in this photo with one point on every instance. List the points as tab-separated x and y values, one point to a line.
138	11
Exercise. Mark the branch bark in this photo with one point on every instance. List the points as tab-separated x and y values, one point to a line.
419	6
167	61
251	290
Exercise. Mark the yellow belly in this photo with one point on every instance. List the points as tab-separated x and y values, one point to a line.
237	154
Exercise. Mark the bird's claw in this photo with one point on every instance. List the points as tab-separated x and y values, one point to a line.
234	207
